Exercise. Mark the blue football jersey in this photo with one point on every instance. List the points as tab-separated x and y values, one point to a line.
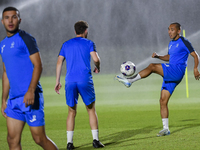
77	55
179	51
15	52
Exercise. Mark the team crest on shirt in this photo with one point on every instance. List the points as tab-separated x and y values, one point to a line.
170	46
12	45
177	45
2	48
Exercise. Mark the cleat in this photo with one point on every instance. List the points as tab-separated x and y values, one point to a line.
97	144
123	80
163	132
70	146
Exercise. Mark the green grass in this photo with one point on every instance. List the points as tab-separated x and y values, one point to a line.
129	118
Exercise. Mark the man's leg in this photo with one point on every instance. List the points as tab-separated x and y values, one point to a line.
40	138
15	128
164	98
94	125
70	126
152	68
92	116
71	118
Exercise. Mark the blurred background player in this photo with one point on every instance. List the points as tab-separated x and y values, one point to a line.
22	68
78	80
178	51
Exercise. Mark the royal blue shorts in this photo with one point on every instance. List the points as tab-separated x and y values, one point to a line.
173	75
32	115
85	89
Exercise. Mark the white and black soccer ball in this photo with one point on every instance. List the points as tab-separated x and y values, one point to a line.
128	68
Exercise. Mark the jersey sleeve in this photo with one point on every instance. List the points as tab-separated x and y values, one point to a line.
30	42
61	53
188	45
93	47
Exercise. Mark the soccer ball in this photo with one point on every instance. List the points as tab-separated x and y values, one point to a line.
128	68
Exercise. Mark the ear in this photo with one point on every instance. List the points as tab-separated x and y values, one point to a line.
179	31
20	20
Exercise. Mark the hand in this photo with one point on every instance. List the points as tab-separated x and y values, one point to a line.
58	87
196	74
29	98
155	55
96	70
3	107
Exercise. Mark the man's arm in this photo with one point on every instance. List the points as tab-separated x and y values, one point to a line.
164	58
5	91
29	97
58	73
196	63
96	60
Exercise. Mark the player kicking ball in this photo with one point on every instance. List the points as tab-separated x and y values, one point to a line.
178	51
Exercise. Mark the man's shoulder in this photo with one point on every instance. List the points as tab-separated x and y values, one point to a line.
186	43
3	40
79	40
184	40
25	34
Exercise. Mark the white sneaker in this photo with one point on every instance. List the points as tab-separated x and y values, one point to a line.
163	132
123	80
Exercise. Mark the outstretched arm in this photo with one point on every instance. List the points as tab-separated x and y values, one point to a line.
96	60
58	73
164	58
5	91
29	97
196	63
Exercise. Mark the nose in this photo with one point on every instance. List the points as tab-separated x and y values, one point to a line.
10	20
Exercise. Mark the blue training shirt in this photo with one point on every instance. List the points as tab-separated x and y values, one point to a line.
179	51
15	52
76	51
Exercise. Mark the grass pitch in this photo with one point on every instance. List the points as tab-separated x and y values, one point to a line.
129	118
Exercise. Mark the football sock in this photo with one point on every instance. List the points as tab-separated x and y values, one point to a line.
165	123
95	134
135	78
70	136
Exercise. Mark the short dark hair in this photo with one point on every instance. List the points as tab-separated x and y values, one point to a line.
178	26
10	9
80	27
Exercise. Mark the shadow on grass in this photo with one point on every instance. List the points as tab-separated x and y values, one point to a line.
126	136
187	126
80	148
118	138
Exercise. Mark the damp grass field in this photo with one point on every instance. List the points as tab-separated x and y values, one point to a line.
129	118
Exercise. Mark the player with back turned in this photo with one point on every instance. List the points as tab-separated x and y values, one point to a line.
178	51
22	94
77	53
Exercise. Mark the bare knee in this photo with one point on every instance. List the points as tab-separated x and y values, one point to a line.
72	113
163	102
13	141
40	140
152	67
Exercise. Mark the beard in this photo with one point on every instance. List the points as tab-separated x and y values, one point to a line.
13	31
86	35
